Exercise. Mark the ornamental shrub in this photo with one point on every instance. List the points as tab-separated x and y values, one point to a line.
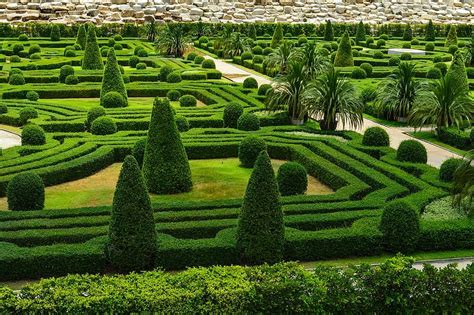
173	77
408	33
394	61
378	55
141	66
103	125
25	192
249	149
415	41
164	72
104	51
430	33
182	123
302	40
344	53
118	38
165	164
198	60
452	49
92	59
118	46
15	71
277	36
248	122
112	81
15	59
187	101
112	100
267	51
360	33
442	67
257	50
358	73
411	151
17	48
33	135
400	225
328	32
27	113
81	36
384	37
437	59
260	229
173	95
3	109
263	89
32	96
16	79
405	56
406	45
452	38
55	33
142	53
203	40
447	169
367	68
370	40
250	83
34	49
246	55
257	59
111	42
376	137
133	61
138	151
429	46
433	73
71	80
93	114
208	64
380	43
292	179
191	56
457	71
69	53
131	244
231	115
23	38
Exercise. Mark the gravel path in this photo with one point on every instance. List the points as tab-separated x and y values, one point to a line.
9	139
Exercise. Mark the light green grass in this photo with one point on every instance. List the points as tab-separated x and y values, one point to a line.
384	122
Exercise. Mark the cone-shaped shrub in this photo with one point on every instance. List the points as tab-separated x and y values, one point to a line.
55	33
452	38
260	230
408	33
252	31
81	36
457	71
132	236
165	164
344	53
328	32
25	191
92	58
277	36
360	33
430	34
112	80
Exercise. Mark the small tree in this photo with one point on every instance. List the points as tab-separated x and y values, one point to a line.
81	36
165	164
452	38
344	53
430	34
112	80
55	33
92	59
360	33
457	72
328	32
260	230
132	236
408	33
277	36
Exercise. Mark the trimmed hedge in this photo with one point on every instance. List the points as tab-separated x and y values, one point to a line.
376	136
25	192
400	225
412	151
103	125
112	82
249	149
292	179
33	135
232	113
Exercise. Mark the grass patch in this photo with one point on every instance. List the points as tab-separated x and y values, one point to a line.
384	122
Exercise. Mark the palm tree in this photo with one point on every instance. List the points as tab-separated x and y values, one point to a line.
235	45
444	105
280	58
314	62
150	28
334	99
397	94
463	188
173	40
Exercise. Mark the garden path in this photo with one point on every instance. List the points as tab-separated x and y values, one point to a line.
9	139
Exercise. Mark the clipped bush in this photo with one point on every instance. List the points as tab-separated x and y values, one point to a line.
33	135
249	149
250	83
92	58
25	192
408	33
457	71
103	125
118	46
452	49
376	137
367	68
406	45
182	123
133	61
328	31
405	56
111	42
358	73
16	79
15	59
263	89
187	101
415	41
93	114
292	179
381	43
198	60
344	53
27	113
17	48
32	96
369	41
378	55
112	81
433	73
257	59
360	33
277	36
191	56
173	95
394	61
208	64
71	80
34	49
429	47
267	51
68	53
141	66
104	51
81	37
246	55
173	77
55	33
23	37
142	53
248	122
138	151
442	67
231	114
3	109
112	100
452	37
448	168
257	50
412	151
164	72
430	32
118	38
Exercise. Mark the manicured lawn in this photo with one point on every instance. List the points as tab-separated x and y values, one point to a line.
213	179
431	137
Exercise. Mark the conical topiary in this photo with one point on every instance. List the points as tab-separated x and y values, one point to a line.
277	36
132	236
408	33
344	53
92	59
112	80
328	31
165	164
457	71
81	36
430	34
452	38
260	230
252	31
55	33
360	33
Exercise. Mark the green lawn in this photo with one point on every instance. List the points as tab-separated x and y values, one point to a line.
431	137
388	123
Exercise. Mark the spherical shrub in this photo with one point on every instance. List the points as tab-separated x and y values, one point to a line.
133	61
142	53
118	46
452	49
367	68
27	113
71	80
104	51
36	56
406	45
405	56
25	191
191	56
358	73
415	41
34	49
376	137
292	179
394	61
442	67
433	73
412	151
173	77
461	44
113	99
263	89
33	135
173	95
247	55
208	64
23	37
203	40
429	47
334	46
447	169
93	114
198	60
16	79
257	59
248	122
111	42
118	38
182	123
249	149
380	43
257	50
369	40
70	53
267	51
17	48
232	113
400	226
355	53
64	72
138	151
302	40
164	72
187	101
437	59
77	47
3	109
32	96
15	59
324	52
250	83
15	71
378	55
103	126
384	36
141	66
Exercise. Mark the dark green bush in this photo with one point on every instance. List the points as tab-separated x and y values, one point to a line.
25	192
376	137
257	50
65	71
182	123
292	179
142	53
381	43
17	48
208	64
15	59
34	49
246	55
138	151
32	96
118	46
92	58
27	113
16	79
118	38
429	46
405	56
412	151
187	101
231	115
249	149
35	56
133	61
173	95
378	55
111	42
367	68
430	32
69	53
368	94
173	77
263	89
394	61
23	38
400	225
71	80
358	73
141	66
344	53
113	99
267	51
198	60
277	36
112	82
33	135
248	122
104	51
415	41
103	125
433	73
3	109
81	37
250	83
447	169
442	67
452	49
93	114
328	31
55	33
191	56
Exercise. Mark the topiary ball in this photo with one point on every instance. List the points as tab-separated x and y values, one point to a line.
429	47
208	64
64	72
34	49
32	96
71	80
103	126
187	101
292	179
263	89
164	72
246	55
118	38
358	73
412	151
453	49
111	42
400	225
367	68
17	48
138	151
378	55
33	135
248	122
27	113
173	77
249	149
140	66
113	99
447	169
232	112
250	83
142	53
405	56
394	61
104	51
133	61
173	95
93	114
25	191
16	79
376	137
23	37
15	59
3	109
69	53
182	123
442	67
433	73
198	60
191	56
118	47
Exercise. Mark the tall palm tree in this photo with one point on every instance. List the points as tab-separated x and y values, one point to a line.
235	44
397	94
444	105
280	58
150	28
463	188
314	62
334	99
173	40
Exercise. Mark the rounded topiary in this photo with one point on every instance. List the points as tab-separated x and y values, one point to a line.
16	79
380	43
111	42
164	72
267	51
400	225
182	123
292	179
433	73
118	46
249	149
257	50
118	38
33	135
112	81
15	59
191	56
429	47
442	67
34	49
378	55
140	66
70	53
65	71
447	169
93	114
232	112
17	48
367	68
246	55
187	101
173	77
35	56
250	83
103	126
25	191
394	61
71	80
406	45
198	60
415	41
23	37
133	61
142	53
376	137
405	56
104	51
3	109
412	151
358	73
344	53
27	113
208	64
248	122
113	99
32	96
173	95
263	89
257	59
55	33
452	49
15	71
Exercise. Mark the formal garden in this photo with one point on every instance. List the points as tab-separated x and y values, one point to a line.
137	153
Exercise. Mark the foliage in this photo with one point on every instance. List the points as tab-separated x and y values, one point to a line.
292	179
33	135
164	72
92	58
408	33
231	115
151	30
358	73
452	37
249	149
208	64
328	31
250	83
103	125
277	36
360	33
138	151
55	33
367	67
344	53
430	33
187	101
173	40
448	168
112	82
71	80
16	79
32	96
411	151
443	210
457	72
93	114
25	192
113	99
281	57
434	73
182	123
81	38
376	136
248	122
400	225
173	95
27	113
173	77
133	61
464	181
